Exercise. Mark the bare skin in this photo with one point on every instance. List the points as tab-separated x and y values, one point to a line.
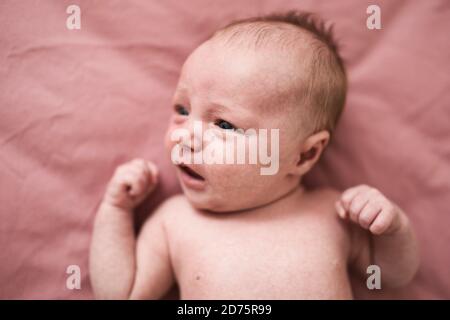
294	248
235	234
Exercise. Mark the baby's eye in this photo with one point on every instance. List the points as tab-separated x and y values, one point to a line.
181	110
224	125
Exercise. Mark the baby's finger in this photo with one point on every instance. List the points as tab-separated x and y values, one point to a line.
133	185
138	162
357	205
381	223
138	166
349	194
153	171
368	214
340	209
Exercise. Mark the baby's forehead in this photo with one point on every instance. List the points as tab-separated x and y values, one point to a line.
238	72
264	73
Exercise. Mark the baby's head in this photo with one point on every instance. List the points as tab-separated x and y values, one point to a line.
273	72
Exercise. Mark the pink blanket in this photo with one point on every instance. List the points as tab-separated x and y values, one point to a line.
76	103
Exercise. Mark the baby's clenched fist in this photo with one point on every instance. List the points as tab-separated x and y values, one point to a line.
369	208
131	183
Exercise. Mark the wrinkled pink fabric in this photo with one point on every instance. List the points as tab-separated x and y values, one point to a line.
74	104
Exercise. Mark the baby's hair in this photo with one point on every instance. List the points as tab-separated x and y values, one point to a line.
324	90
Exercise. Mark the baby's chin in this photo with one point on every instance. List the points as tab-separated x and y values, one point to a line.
219	204
204	201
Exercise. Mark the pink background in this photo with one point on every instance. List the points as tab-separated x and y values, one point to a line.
74	104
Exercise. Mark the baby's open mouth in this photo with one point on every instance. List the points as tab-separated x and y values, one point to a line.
190	172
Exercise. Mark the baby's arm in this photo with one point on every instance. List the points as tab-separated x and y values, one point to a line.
390	244
121	266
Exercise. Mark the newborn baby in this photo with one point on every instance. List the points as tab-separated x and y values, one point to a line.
236	233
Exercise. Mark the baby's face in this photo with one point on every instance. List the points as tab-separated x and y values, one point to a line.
222	89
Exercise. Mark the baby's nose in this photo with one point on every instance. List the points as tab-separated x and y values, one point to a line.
194	140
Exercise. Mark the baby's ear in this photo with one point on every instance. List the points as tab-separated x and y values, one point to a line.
311	150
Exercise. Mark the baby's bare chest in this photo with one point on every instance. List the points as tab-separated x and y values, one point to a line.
289	257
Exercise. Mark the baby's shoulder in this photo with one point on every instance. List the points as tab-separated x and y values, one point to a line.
319	204
322	206
175	207
323	199
177	200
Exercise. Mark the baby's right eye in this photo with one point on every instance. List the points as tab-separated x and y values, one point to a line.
181	110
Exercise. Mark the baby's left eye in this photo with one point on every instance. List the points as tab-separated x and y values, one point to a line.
181	110
224	125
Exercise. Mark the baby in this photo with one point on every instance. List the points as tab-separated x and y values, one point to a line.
236	233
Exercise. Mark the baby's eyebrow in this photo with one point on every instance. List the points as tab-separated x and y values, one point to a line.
217	108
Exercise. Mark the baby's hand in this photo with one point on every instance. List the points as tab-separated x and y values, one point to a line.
369	208
131	183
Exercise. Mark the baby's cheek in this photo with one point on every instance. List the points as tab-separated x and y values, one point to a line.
168	141
233	177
